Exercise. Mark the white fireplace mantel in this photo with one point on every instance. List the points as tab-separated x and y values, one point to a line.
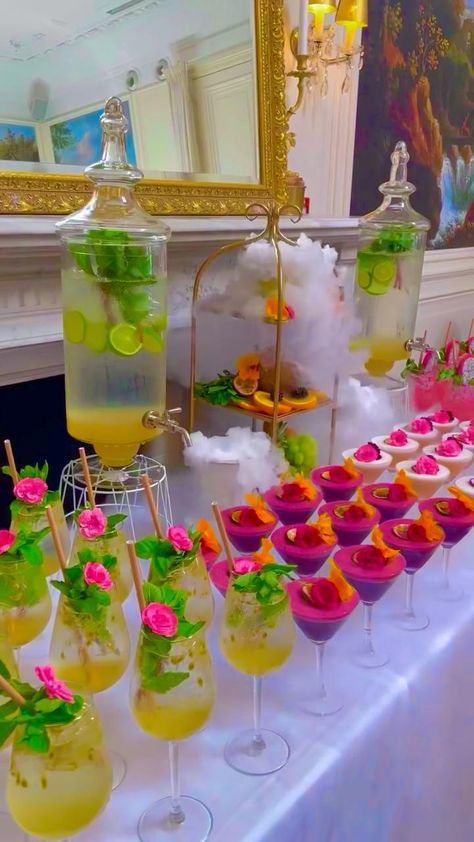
30	304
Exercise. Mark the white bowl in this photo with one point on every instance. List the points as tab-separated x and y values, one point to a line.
469	447
406	451
371	471
448	427
425	485
455	464
422	438
464	483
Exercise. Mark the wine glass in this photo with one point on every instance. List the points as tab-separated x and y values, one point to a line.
189	575
173	711
25	603
256	639
32	518
114	545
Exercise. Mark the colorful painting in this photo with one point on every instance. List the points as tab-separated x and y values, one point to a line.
18	143
78	140
417	85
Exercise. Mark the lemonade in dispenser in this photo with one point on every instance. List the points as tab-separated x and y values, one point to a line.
114	306
388	271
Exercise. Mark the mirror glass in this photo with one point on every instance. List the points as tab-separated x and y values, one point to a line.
185	69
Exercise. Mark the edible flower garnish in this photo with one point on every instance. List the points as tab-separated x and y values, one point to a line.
298	490
243	564
379	543
257	504
22	546
264	554
341	473
265	583
31	488
397	438
368	453
463	498
401	479
304	535
7	539
163	622
425	528
164	553
322	593
367	510
94	524
466	436
442	416
51	704
426	465
449	447
207	540
336	576
271	309
422	426
86	588
248	366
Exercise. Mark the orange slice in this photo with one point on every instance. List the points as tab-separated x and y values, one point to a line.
243	404
307	402
264	402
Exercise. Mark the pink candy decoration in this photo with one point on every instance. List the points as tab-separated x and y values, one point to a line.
246	565
97	574
426	465
367	453
160	618
30	490
92	523
421	425
449	447
398	438
55	689
442	416
179	538
7	538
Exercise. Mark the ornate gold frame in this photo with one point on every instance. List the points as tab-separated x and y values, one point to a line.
31	193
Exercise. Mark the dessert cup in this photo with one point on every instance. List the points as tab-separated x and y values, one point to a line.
376	495
349	531
422	438
465	424
371	586
319	625
307	559
425	485
404	451
289	511
220	576
443	427
460	437
371	471
331	489
455	527
416	554
246	539
466	484
455	464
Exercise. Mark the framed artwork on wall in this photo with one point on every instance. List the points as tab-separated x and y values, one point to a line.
77	140
417	85
18	142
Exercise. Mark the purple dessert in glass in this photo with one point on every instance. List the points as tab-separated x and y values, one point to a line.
352	522
290	502
391	499
247	535
304	545
337	482
456	518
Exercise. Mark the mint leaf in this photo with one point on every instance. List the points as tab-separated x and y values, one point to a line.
145	548
36	738
4	671
32	555
48	705
6	728
164	681
114	520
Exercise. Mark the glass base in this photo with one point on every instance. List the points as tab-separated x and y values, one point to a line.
412	622
326	705
119	769
193	824
9	831
451	594
372	659
251	757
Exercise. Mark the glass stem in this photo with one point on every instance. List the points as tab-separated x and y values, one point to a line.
257	740
368	627
446	557
409	595
176	815
320	688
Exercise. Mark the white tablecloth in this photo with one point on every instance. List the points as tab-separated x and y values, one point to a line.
395	765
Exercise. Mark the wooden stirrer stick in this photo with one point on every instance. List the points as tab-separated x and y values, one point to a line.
57	540
10	691
11	461
151	505
137	576
422	351
448	334
223	534
87	476
471	328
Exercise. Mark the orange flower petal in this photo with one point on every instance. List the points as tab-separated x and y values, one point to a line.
324	527
306	486
208	536
432	529
462	497
264	554
401	478
377	540
350	467
367	508
258	505
248	366
336	576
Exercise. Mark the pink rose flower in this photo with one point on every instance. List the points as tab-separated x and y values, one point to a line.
421	425
30	490
92	523
367	453
467	436
426	465
55	689
397	438
449	447
246	565
7	539
442	416
179	538
97	574
160	618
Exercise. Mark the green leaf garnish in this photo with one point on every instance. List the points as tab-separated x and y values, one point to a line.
163	557
265	583
219	391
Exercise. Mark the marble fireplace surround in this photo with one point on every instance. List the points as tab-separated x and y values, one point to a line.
30	304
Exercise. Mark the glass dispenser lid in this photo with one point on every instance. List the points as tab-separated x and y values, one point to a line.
396	206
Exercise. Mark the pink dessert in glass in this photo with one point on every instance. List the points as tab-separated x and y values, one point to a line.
443	421
246	526
369	460
413	539
337	482
455	515
391	499
452	454
305	545
398	445
425	474
421	430
351	522
293	502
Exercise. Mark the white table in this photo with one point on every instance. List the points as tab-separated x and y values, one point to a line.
395	765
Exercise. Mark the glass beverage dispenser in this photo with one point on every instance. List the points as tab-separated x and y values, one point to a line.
114	306
388	271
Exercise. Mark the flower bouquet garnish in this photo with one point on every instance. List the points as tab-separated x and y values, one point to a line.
166	555
30	489
17	547
93	524
86	589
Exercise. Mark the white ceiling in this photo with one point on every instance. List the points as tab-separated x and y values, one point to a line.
33	28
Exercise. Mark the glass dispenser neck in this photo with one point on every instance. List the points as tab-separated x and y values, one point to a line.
113	166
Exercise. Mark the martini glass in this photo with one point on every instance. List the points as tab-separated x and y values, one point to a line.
308	559
455	526
349	531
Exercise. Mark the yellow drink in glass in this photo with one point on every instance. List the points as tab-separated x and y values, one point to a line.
25	603
33	518
57	794
90	654
121	574
193	579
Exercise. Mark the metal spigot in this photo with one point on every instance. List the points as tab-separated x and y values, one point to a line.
417	344
153	419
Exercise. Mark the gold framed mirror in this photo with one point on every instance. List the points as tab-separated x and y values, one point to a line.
206	107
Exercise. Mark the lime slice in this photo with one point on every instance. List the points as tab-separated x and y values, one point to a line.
153	341
160	322
96	336
375	273
384	271
74	326
125	340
